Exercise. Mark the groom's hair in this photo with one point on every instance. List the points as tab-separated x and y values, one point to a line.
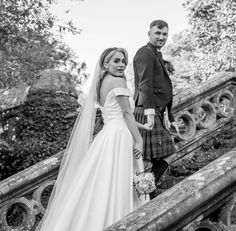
159	23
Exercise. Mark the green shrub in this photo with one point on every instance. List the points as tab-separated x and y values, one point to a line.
37	129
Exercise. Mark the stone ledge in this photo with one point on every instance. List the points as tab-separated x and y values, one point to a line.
30	178
166	210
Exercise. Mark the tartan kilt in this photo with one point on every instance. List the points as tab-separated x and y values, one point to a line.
157	142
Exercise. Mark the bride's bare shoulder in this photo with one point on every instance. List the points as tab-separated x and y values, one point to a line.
113	82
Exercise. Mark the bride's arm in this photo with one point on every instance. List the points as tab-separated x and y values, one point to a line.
123	101
131	124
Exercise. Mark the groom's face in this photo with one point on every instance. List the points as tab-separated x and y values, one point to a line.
158	36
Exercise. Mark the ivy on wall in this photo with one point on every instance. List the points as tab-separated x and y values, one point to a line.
35	130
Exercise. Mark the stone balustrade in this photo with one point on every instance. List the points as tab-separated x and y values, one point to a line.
204	110
188	206
199	112
24	193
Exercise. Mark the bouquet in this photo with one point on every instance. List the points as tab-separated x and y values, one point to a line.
144	183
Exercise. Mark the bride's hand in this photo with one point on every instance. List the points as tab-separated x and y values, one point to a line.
137	150
147	126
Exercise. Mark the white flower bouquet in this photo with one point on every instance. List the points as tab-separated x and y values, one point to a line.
144	183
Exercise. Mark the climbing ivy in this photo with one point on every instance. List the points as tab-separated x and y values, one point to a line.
38	128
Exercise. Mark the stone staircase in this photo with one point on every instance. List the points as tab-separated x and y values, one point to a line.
189	205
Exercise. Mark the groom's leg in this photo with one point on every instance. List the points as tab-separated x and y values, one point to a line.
158	168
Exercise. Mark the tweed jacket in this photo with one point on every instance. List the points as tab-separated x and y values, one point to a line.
153	86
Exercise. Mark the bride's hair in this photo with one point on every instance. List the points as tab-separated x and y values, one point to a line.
105	58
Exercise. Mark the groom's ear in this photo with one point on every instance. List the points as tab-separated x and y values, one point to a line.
149	33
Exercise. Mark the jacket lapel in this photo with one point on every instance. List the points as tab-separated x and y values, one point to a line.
159	55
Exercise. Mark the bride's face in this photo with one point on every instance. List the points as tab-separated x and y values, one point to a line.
117	64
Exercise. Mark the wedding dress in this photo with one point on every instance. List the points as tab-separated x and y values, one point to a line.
101	192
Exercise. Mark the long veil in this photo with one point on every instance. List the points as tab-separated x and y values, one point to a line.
75	151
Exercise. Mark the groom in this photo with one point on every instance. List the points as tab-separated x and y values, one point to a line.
153	97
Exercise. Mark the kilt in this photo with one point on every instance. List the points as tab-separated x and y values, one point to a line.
157	142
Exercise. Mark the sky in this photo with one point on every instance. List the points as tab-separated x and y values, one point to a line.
122	23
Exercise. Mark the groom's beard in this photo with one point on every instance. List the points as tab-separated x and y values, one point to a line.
160	44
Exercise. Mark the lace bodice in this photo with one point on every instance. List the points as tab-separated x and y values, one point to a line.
111	109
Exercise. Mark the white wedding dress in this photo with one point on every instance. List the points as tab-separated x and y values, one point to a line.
102	192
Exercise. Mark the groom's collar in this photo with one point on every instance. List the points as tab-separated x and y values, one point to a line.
153	47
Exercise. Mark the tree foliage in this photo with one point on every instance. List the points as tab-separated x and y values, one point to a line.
35	130
214	29
181	54
209	45
27	40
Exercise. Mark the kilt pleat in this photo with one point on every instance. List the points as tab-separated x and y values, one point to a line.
157	142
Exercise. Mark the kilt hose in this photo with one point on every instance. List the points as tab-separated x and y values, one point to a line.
157	143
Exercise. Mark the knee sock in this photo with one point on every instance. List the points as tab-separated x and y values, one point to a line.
158	168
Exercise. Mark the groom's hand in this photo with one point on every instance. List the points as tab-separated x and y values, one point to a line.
174	126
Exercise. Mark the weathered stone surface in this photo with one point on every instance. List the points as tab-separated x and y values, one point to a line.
192	94
53	80
29	178
13	97
183	198
47	80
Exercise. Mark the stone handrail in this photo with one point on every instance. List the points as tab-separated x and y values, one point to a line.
25	190
204	110
186	204
32	182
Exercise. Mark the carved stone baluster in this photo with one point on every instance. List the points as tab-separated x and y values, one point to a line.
38	195
208	225
225	102
27	210
206	114
233	90
228	213
187	126
204	225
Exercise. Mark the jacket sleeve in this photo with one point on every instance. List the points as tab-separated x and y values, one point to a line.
144	63
169	107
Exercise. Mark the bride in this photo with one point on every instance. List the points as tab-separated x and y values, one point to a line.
94	187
